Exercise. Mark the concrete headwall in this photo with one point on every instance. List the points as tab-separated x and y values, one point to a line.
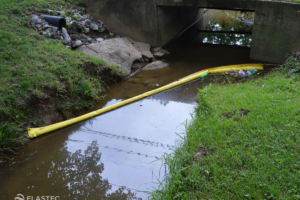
132	18
276	31
224	4
142	20
172	20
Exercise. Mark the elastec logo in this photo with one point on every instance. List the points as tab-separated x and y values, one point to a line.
21	197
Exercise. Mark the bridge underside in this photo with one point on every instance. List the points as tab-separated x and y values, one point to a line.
276	30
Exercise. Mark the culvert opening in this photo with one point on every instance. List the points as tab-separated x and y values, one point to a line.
226	27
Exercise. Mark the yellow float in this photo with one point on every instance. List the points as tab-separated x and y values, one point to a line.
35	132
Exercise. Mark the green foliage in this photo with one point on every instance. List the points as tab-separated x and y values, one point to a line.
291	65
254	156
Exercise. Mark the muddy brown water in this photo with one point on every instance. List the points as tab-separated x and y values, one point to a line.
117	155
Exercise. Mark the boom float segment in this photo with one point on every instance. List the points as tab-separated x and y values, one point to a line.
35	132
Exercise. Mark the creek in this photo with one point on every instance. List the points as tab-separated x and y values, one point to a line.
117	155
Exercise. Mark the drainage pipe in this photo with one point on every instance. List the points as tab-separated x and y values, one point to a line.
56	21
35	132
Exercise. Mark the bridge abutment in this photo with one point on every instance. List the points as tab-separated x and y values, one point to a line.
276	30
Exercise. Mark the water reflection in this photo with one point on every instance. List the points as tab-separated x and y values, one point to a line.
65	174
112	156
81	174
228	21
222	20
243	40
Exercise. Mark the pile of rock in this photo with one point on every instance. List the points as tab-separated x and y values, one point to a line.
125	52
74	35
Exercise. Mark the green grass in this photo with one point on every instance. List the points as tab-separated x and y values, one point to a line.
256	156
35	71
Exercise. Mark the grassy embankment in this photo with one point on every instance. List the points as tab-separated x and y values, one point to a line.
230	153
42	81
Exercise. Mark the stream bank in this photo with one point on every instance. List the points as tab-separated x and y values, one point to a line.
243	142
42	82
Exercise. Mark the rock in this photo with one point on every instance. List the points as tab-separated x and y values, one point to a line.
77	43
159	55
116	51
68	19
156	65
83	38
136	66
111	34
35	20
143	48
94	26
100	39
66	37
77	16
82	18
65	34
56	36
87	23
159	52
82	23
75	27
39	26
86	30
60	13
45	26
100	23
54	29
66	42
101	29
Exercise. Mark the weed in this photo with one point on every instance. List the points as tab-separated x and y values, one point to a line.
291	65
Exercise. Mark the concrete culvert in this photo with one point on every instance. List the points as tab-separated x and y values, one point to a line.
56	21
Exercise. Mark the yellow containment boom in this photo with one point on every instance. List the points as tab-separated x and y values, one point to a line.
35	132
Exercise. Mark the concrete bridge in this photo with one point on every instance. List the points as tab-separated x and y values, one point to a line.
276	30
